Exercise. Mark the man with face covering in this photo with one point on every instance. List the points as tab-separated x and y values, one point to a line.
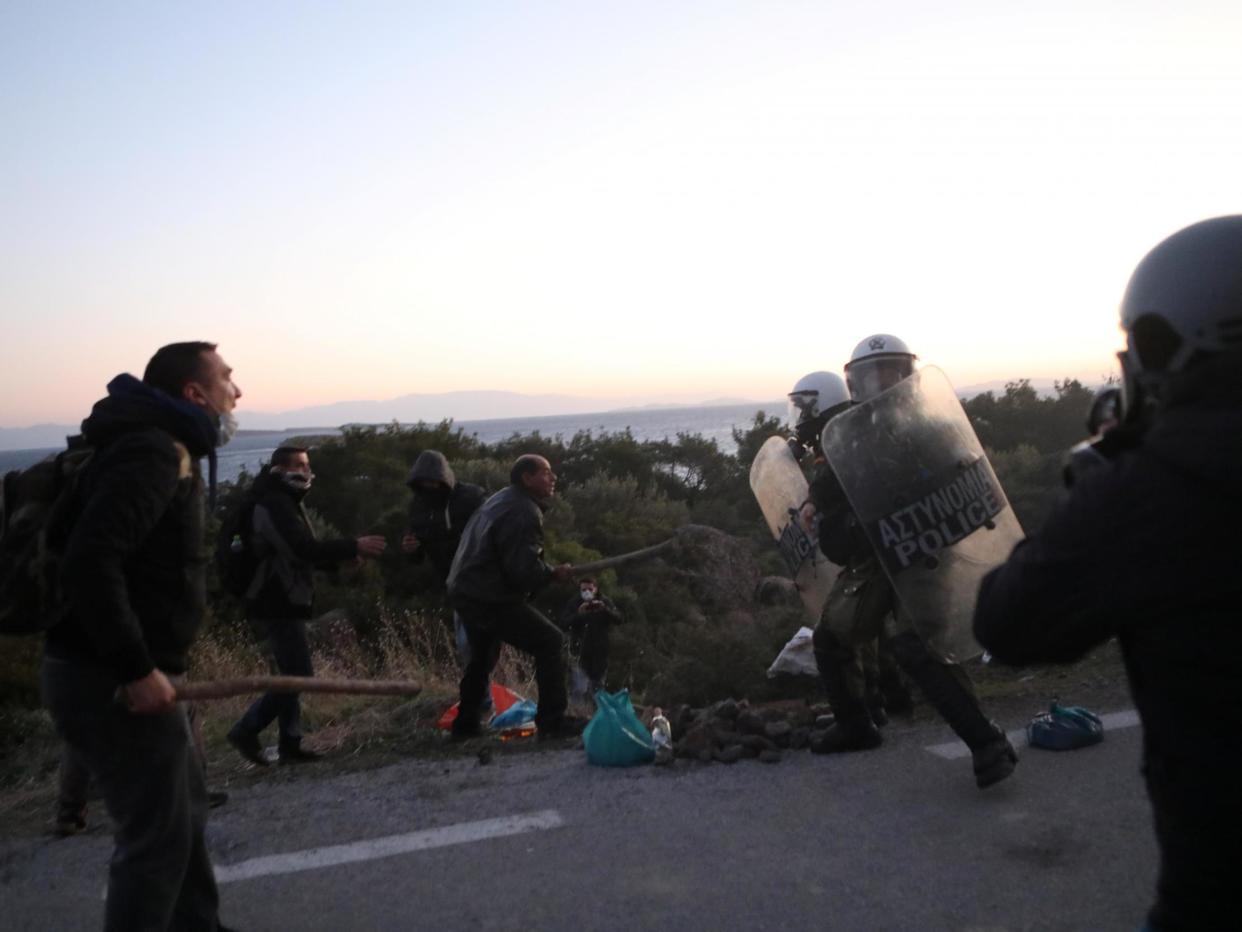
439	510
289	553
588	618
134	579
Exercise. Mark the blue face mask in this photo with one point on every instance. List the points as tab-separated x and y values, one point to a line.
588	595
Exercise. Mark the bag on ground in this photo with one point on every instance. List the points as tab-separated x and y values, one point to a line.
1064	728
615	737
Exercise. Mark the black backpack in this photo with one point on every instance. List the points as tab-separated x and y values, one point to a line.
37	512
237	563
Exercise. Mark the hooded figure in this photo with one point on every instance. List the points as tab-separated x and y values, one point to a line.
439	510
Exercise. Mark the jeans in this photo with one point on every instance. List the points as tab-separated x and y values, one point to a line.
488	625
160	875
289	654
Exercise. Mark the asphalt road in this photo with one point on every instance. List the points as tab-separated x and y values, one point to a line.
897	838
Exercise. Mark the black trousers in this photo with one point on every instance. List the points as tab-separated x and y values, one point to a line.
488	625
289	654
160	876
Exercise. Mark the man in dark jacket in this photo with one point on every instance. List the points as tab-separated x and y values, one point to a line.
588	618
499	563
439	510
1145	548
281	597
133	579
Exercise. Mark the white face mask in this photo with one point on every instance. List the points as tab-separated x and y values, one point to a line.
226	428
301	481
588	595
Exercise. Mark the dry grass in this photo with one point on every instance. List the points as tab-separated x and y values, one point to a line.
355	731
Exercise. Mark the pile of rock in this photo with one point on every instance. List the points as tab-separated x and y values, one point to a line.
731	730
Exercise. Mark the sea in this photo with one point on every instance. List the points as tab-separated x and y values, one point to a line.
250	449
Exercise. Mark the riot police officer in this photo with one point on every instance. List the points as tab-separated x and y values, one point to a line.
863	598
1145	547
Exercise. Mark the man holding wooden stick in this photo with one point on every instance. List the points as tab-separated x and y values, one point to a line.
133	578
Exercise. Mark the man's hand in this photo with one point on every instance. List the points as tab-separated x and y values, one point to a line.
371	546
562	572
410	543
807	516
153	693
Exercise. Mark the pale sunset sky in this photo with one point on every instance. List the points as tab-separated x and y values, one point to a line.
634	201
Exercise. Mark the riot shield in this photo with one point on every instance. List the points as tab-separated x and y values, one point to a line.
780	488
928	500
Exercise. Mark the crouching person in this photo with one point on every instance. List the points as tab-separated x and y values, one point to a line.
289	553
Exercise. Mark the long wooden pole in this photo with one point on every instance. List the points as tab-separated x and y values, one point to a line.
248	685
645	553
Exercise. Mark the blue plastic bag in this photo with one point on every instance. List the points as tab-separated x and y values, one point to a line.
1064	728
615	737
519	713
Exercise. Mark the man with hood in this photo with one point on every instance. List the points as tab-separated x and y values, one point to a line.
282	595
439	510
133	580
1145	548
498	565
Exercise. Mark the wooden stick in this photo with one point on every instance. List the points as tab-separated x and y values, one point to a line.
248	685
608	562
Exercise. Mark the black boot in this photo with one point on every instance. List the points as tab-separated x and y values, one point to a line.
292	752
853	729
950	693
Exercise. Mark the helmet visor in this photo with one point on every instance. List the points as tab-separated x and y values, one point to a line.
869	377
802	407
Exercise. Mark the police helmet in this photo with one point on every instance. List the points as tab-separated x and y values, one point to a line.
1183	302
815	394
879	362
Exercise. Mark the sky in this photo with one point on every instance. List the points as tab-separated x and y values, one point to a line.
636	202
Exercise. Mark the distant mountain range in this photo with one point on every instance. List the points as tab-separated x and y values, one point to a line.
460	406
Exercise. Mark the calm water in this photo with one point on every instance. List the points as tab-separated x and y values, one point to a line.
714	423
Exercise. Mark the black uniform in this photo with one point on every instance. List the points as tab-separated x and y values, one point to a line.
134	576
854	617
1148	549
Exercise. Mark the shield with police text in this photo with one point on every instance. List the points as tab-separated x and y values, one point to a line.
928	500
781	488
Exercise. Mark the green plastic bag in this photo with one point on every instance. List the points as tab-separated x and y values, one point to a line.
615	737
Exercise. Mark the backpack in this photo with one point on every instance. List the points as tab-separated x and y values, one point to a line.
237	562
34	522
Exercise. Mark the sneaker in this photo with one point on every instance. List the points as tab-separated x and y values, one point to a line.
994	762
292	753
247	746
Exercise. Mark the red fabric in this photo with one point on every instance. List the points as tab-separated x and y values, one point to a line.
502	698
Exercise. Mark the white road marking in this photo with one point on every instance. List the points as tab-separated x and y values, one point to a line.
1113	721
314	858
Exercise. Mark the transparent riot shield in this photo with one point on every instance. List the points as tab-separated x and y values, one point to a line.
781	488
928	500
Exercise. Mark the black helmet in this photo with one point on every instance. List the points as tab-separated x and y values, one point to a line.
1184	300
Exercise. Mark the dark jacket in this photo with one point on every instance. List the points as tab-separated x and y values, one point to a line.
438	518
500	557
289	551
1148	549
841	537
588	633
134	569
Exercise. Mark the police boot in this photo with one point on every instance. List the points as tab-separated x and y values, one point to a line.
950	693
853	729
